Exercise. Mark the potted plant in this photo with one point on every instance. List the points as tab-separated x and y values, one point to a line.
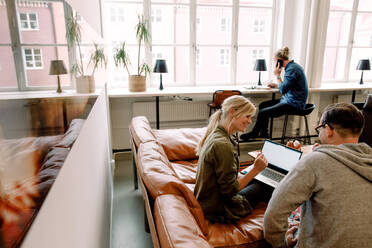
121	57
84	83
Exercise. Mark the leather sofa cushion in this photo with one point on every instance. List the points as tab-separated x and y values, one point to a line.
186	170
140	130
160	179
72	133
180	144
171	231
247	232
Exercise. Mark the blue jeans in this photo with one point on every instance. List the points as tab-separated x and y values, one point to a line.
268	109
256	191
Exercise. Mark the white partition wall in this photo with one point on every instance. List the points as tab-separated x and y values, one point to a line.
77	210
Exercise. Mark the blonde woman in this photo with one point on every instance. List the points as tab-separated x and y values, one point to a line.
293	87
223	196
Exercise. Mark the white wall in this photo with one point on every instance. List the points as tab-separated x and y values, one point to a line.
77	210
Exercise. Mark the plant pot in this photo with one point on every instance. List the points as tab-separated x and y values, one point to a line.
85	84
137	83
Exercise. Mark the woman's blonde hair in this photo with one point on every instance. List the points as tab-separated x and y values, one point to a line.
283	53
240	104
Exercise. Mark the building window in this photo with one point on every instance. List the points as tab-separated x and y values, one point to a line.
33	58
156	15
156	56
259	26
198	24
225	56
256	54
116	14
28	21
197	57
225	24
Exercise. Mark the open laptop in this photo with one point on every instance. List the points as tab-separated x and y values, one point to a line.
281	159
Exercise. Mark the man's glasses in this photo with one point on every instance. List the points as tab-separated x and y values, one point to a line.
322	125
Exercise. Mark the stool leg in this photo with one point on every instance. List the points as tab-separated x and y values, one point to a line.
307	130
284	128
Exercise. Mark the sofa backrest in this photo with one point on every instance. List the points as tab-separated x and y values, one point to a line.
140	130
180	144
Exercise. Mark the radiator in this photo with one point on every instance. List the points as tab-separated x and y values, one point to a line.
170	111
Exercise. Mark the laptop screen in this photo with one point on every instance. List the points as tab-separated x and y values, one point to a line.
280	156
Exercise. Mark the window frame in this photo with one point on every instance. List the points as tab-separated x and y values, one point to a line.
195	28
349	46
28	21
34	67
19	47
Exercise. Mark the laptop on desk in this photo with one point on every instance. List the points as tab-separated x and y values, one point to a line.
281	159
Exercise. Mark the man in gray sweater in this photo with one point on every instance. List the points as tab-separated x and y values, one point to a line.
333	185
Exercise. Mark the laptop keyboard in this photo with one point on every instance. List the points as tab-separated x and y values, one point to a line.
272	175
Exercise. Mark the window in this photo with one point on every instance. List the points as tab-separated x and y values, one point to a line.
156	15
187	32
256	54
116	14
28	21
156	56
225	25
33	58
259	26
197	57
254	39
225	57
348	39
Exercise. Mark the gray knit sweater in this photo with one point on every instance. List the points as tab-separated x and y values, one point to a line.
333	185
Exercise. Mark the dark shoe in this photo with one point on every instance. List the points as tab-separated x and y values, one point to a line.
248	136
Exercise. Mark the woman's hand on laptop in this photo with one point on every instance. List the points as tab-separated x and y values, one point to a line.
295	144
260	163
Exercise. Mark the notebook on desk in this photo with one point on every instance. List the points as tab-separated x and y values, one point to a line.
264	87
281	159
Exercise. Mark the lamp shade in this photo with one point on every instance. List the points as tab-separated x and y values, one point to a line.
260	65
161	66
363	65
57	67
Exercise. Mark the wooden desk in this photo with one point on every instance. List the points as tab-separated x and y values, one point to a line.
186	91
246	90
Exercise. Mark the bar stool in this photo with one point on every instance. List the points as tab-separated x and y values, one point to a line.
300	112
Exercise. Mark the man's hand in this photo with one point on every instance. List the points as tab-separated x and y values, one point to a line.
260	163
289	236
294	144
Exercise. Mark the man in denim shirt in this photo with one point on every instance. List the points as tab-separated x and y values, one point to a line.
294	89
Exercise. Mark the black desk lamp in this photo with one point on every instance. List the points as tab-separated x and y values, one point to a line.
161	67
363	65
57	67
260	66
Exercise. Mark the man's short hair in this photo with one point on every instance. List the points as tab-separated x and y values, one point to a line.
344	117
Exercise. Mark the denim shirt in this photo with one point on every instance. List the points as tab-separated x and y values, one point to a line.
294	86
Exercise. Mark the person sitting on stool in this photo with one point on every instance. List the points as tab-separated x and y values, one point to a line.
294	89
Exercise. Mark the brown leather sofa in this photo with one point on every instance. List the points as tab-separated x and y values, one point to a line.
166	166
33	163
